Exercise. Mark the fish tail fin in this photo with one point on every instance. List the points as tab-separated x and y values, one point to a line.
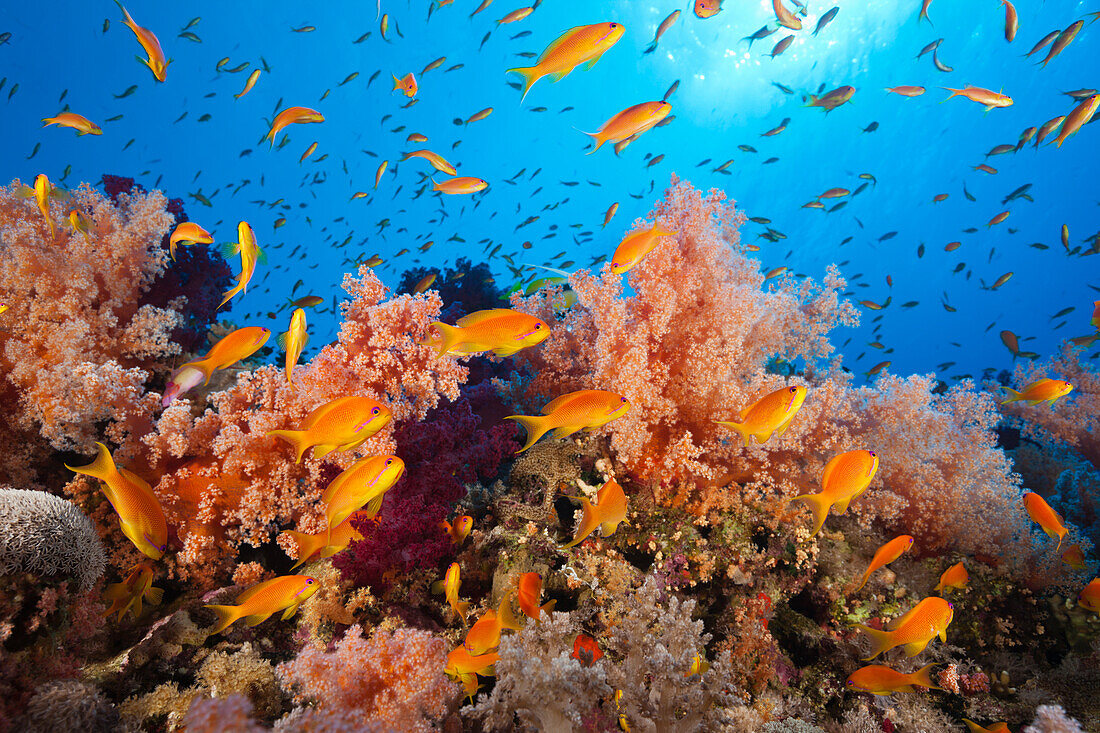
530	75
596	137
228	294
1014	396
739	429
863	580
298	439
589	522
536	426
308	545
880	641
819	508
462	608
448	336
102	468
954	93
923	677
226	616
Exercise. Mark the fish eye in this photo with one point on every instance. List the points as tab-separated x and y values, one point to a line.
309	582
622	399
389	461
538	326
872	453
614	25
850	682
374	411
793	390
951	606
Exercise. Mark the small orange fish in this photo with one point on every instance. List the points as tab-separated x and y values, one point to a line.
155	54
231	348
914	629
636	245
1089	597
380	171
188	233
80	123
906	91
292	116
998	218
478	116
610	213
833	99
363	484
631	122
885	555
586	409
326	543
43	192
140	516
1064	39
424	283
1039	391
1043	515
460	530
128	595
989	99
256	604
582	44
528	595
500	331
250	252
993	727
342	424
484	636
771	414
845	477
293	340
880	680
249	83
1074	556
1081	114
606	513
407	84
586	650
450	584
1012	22
461	185
784	17
699	665
465	667
954	578
516	15
707	8
416	137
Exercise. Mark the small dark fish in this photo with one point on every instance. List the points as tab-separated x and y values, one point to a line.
205	118
860	188
5	37
826	19
782	46
930	47
871	127
671	90
192	23
362	38
13	90
780	87
106	24
484	40
190	36
762	33
521	34
746	148
373	77
1000	150
969	196
941	66
887	236
35	151
770	160
238	68
1043	43
129	90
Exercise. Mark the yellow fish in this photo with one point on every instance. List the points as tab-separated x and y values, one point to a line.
364	483
846	476
139	512
188	233
913	630
151	44
250	253
256	604
484	636
606	513
993	727
42	192
460	530
293	341
954	578
327	542
80	123
342	424
585	43
231	348
128	595
450	585
771	414
499	330
880	680
636	245
1039	391
586	409
292	116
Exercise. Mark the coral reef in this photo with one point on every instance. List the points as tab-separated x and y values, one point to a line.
48	537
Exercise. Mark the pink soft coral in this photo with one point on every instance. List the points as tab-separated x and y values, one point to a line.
394	678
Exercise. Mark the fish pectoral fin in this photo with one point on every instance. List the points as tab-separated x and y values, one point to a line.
375	505
565	431
914	648
290	611
154	595
256	618
320	451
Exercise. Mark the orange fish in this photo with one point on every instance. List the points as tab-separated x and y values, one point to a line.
500	330
128	595
465	667
636	245
342	424
484	636
250	252
906	91
1089	597
378	173
1012	22
516	15
1074	556
586	409
608	511
249	83
363	484
993	728
845	477
989	99
833	99
585	650
292	116
450	584
139	512
707	8
231	348
954	578
632	121
529	593
461	185
1064	38
924	11
256	604
43	191
155	55
80	123
407	84
1043	515
1081	114
880	680
786	18
585	43
913	630
188	233
326	542
885	555
425	283
1039	391
293	341
460	530
771	414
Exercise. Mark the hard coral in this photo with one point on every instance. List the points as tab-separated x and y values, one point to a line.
47	536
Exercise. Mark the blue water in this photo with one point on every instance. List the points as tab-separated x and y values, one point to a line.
726	97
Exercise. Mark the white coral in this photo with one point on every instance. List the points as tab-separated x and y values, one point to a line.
45	535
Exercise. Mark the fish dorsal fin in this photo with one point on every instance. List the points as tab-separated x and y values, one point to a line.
560	41
900	620
558	402
138	481
479	317
255	590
